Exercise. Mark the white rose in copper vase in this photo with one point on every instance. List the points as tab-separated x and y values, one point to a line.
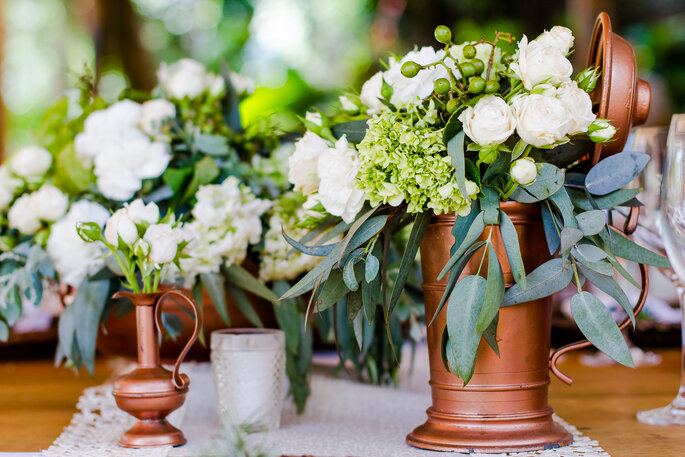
601	131
536	63
163	243
541	121
304	162
23	215
30	162
578	104
490	122
50	203
338	168
524	171
558	37
121	226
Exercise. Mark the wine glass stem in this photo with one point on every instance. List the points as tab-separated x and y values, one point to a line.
681	296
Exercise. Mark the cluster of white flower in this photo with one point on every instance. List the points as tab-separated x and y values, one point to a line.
405	90
73	258
553	108
226	220
47	204
187	78
327	174
125	145
9	186
279	260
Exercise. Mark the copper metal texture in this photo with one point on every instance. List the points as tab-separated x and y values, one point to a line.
151	392
504	407
620	95
117	339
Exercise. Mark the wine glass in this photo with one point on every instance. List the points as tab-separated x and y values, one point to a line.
671	224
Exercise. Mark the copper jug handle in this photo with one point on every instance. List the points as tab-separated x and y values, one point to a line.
629	227
178	381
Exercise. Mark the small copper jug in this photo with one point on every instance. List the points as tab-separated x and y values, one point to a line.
151	392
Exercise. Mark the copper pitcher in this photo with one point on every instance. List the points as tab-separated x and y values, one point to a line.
151	392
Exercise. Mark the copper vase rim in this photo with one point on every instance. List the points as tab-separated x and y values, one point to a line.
139	299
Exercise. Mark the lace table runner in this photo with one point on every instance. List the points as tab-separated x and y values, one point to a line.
343	419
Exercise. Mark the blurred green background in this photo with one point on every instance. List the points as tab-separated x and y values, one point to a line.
299	52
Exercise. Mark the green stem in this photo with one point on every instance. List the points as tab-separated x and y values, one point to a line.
575	274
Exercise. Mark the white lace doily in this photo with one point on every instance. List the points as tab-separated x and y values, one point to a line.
342	419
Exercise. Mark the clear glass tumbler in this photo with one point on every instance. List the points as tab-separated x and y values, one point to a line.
249	376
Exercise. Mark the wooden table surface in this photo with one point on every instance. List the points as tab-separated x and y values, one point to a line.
37	400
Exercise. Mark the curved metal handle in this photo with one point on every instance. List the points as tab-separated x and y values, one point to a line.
629	228
178	381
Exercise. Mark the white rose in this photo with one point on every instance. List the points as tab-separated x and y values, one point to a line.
601	131
371	93
31	162
163	241
139	212
411	90
50	203
557	37
304	162
490	122
536	63
524	171
154	114
314	118
215	84
338	193
23	215
347	104
184	78
243	85
72	257
541	121
121	226
578	104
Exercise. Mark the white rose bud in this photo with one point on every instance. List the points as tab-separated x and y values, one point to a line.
314	118
305	161
141	248
371	92
601	131
23	216
347	104
50	203
490	122
541	121
163	243
578	104
185	78
524	171
121	226
558	37
536	63
31	162
139	212
154	114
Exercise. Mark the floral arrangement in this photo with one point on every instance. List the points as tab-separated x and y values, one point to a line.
461	130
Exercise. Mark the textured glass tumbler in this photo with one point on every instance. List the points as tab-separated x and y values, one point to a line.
249	375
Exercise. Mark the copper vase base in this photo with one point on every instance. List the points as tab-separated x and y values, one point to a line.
152	433
494	434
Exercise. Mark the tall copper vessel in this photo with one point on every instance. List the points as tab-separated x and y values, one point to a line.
151	392
504	407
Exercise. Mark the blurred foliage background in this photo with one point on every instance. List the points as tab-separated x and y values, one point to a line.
299	52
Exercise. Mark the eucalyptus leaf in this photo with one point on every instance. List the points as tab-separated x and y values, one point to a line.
288	318
349	277
490	335
550	227
511	246
596	323
588	257
205	172
496	169
462	225
415	237
615	171
563	203
549	180
319	251
474	232
569	237
463	310
455	149
173	325
354	130
490	204
620	197
4	331
609	286
452	128
591	222
214	145
88	304
519	149
243	304
244	279
494	292
625	248
214	285
547	279
372	267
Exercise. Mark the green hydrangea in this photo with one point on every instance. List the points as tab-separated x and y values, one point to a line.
403	158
